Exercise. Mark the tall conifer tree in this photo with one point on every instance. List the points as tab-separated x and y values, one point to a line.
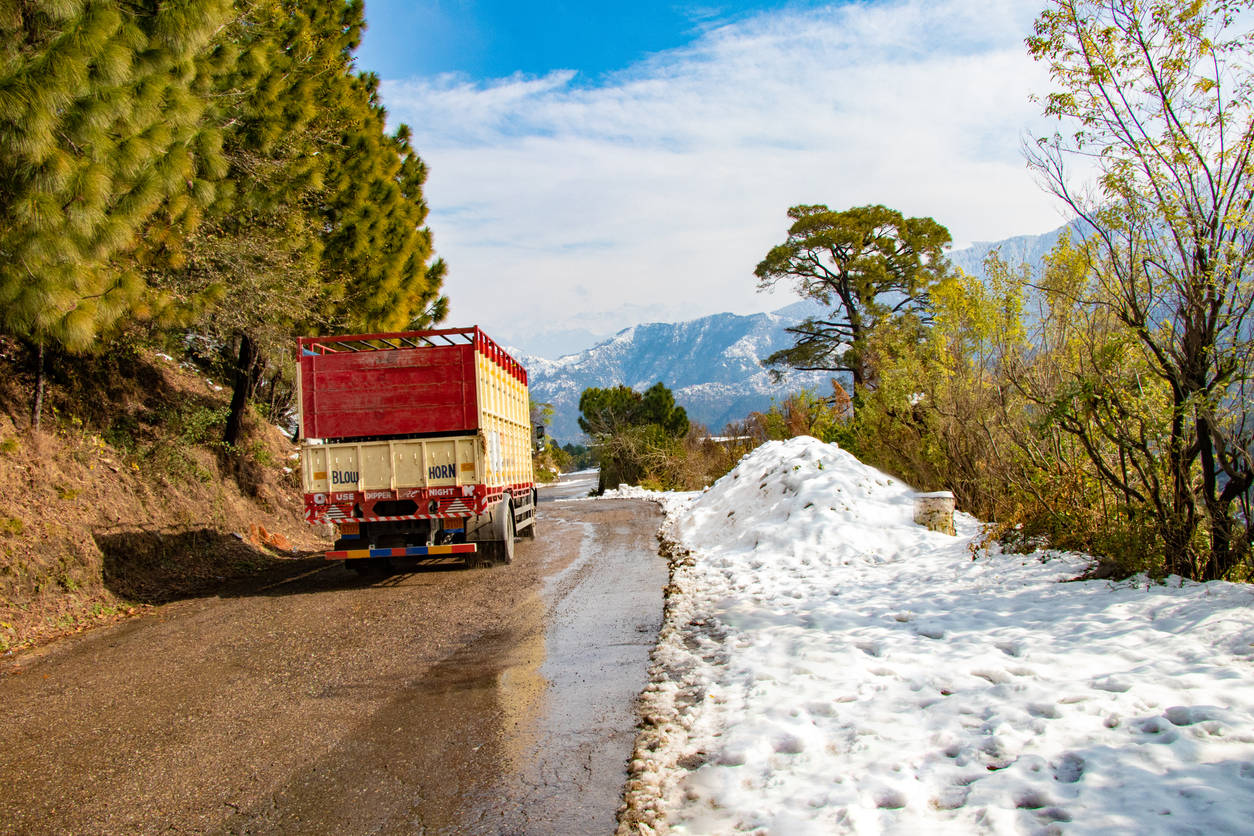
378	254
319	225
99	127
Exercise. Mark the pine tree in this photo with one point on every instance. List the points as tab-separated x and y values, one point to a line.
249	274
870	264
318	223
378	251
99	128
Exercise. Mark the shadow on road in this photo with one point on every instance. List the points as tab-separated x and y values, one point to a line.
157	567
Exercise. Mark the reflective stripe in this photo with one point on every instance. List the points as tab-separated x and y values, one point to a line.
411	551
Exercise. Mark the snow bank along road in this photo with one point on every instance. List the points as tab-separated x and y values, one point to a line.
483	702
827	666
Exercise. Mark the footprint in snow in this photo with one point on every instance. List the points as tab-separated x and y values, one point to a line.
1114	684
1162	731
1032	800
890	799
1044	710
951	798
929	631
1054	814
820	709
1069	769
994	748
787	744
1010	648
1187	715
870	648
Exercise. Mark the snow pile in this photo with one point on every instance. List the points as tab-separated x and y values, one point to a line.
829	666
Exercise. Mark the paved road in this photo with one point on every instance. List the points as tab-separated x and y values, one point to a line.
493	701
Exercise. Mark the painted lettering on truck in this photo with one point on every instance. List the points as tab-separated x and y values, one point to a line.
441	471
343	477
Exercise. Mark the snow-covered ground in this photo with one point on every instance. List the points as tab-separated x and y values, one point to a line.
828	666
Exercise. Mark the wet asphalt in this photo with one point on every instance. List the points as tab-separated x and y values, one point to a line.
434	700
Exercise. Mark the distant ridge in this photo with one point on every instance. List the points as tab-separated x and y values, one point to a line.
1022	249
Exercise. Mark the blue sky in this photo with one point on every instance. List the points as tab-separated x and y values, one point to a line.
594	167
496	38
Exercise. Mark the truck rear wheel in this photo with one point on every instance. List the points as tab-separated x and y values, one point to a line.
505	528
500	549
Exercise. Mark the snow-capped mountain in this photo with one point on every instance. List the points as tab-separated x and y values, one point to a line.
712	364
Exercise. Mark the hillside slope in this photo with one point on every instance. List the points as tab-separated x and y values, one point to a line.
125	500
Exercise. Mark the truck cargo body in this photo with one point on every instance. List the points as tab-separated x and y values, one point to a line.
416	444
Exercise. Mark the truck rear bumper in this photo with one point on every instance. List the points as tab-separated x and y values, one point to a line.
409	551
424	504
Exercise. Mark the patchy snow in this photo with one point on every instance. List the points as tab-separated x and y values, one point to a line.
828	666
671	502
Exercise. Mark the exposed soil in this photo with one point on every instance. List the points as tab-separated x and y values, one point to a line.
439	700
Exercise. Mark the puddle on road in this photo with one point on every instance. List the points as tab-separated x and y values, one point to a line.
500	673
565	756
445	755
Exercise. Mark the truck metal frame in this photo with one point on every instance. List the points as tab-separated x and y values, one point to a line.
417	444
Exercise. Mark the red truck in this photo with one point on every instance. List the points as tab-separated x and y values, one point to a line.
416	444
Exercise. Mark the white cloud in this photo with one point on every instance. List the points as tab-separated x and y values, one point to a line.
660	187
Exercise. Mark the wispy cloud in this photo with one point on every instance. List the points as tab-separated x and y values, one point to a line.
660	187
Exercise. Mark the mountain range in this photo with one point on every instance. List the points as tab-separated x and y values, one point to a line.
713	364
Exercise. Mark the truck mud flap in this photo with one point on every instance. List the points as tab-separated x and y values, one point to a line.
409	551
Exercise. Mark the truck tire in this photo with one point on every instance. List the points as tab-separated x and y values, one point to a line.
500	549
505	531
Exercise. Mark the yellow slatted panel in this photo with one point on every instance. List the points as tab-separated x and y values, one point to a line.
505	418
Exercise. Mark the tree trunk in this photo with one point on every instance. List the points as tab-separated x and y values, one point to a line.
1220	545
37	406
1181	522
1216	513
248	367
